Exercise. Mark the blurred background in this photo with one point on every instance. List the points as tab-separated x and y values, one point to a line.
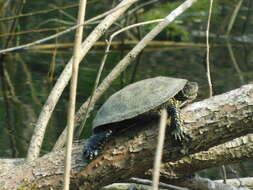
27	76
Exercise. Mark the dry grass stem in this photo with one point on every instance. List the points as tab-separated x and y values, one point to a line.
159	149
72	97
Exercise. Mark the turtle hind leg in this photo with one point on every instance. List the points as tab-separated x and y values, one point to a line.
94	144
176	120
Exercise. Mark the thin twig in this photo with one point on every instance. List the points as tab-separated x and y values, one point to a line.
132	26
162	185
232	20
248	16
130	12
224	173
208	51
26	46
69	16
222	168
235	173
235	64
36	12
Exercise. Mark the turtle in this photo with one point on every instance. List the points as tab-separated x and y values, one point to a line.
137	101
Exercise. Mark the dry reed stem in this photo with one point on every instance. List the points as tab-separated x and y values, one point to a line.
159	149
73	87
209	80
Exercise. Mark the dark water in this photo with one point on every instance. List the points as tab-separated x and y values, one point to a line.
26	85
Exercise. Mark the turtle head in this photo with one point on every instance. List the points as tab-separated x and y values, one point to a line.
189	92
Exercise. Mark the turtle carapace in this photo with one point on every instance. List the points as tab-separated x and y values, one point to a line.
139	99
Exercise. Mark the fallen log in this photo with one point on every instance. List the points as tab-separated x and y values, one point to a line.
235	151
209	123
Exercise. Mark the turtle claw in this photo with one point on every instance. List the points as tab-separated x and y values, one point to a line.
178	134
91	150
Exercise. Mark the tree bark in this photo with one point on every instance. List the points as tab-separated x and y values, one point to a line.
209	123
228	153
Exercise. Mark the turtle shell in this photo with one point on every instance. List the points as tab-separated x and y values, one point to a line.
136	99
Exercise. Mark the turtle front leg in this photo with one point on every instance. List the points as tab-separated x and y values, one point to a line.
176	119
94	144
